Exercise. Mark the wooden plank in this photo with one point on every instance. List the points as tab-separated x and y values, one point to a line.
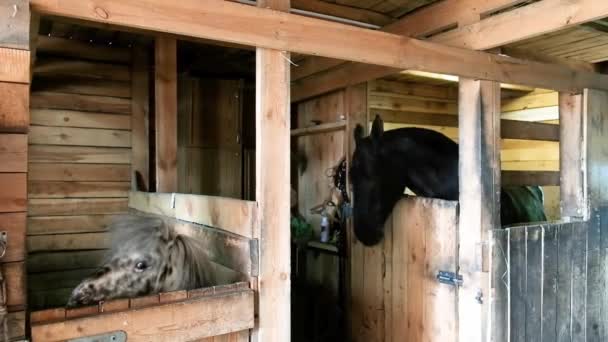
13	197
15	65
238	23
63	67
87	103
80	85
16	325
57	280
69	118
62	261
42	225
500	285
13	153
79	154
550	286
69	136
14	107
517	281
343	11
14	226
47	315
48	299
79	172
564	283
140	85
595	279
74	48
74	206
595	105
321	128
479	155
572	140
182	321
534	283
68	242
512	129
540	178
15	27
412	104
152	203
272	170
166	113
61	189
14	277
579	282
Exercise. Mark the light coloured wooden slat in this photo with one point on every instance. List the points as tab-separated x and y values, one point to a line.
15	25
530	101
76	206
232	215
68	118
82	86
73	48
166	113
14	107
79	154
79	172
14	226
68	242
70	136
88	103
572	192
14	276
406	103
479	200
13	197
188	320
14	66
42	225
61	189
322	128
13	152
140	116
242	24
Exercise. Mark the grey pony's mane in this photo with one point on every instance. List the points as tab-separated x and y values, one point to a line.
142	233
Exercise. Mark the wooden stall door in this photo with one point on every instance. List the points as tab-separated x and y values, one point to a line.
210	140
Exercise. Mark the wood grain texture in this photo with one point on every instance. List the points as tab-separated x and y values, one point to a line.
78	172
183	321
69	118
58	67
140	90
78	102
14	276
166	113
14	226
13	197
13	153
77	49
15	27
41	225
572	141
62	189
15	65
80	85
74	206
63	261
79	154
14	107
70	136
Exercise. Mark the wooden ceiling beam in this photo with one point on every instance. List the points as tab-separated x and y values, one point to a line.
242	24
343	11
518	24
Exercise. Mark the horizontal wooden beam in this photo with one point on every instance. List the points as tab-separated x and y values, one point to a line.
241	24
540	178
321	128
502	28
173	316
232	215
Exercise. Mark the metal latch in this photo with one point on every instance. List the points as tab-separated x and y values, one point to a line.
114	336
3	242
449	278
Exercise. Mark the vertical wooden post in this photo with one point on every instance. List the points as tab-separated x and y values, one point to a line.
166	114
479	176
15	78
140	162
272	165
356	107
571	159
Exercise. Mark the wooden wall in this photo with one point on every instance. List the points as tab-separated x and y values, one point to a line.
403	104
79	163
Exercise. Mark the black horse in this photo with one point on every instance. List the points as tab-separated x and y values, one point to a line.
426	162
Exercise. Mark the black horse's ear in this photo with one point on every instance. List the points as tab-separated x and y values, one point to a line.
377	128
358	133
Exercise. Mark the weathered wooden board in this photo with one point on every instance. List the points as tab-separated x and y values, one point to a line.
62	261
77	49
82	86
15	65
14	226
89	103
75	68
14	107
76	206
198	317
68	118
13	153
61	189
140	117
15	26
13	197
41	225
68	242
232	215
79	172
14	277
62	136
79	154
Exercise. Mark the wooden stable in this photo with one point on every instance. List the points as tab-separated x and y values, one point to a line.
561	295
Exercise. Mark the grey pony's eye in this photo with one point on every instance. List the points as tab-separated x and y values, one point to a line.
140	266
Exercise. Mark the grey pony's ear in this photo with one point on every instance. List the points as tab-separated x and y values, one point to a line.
358	133
377	128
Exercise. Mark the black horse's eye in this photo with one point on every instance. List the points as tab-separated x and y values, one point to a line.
140	266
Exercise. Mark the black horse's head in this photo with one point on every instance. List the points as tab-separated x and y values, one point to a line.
366	173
